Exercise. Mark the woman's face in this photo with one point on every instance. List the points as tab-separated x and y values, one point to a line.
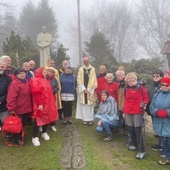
50	73
109	79
165	87
131	81
21	75
103	96
44	72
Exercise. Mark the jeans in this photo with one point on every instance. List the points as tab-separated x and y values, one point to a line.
166	147
106	126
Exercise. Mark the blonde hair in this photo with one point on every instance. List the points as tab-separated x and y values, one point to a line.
131	75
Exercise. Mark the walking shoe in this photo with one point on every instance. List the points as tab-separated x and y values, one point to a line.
36	141
64	120
157	148
132	148
165	162
162	154
40	129
69	121
19	142
45	136
90	123
84	123
140	155
53	129
128	143
8	137
108	139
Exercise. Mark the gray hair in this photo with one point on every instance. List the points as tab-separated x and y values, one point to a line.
131	75
3	62
120	71
4	57
110	75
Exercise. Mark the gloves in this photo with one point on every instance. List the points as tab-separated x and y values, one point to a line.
162	113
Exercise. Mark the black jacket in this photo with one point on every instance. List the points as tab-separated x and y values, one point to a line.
5	81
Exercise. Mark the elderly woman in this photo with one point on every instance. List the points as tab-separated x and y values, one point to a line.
160	110
135	98
107	115
19	100
45	110
111	86
68	86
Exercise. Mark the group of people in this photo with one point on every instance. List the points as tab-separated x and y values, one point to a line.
35	96
45	95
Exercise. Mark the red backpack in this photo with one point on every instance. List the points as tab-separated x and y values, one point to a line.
12	125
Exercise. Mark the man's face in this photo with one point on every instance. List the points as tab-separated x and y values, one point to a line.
8	62
86	61
156	77
64	64
2	68
26	66
120	76
51	64
32	65
102	69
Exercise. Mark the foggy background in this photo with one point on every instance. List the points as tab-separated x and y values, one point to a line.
134	28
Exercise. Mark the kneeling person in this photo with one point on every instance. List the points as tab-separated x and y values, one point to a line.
107	115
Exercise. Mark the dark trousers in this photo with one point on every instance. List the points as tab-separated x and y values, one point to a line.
24	118
137	137
67	108
60	112
36	129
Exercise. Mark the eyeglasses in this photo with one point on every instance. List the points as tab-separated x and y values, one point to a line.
156	76
164	85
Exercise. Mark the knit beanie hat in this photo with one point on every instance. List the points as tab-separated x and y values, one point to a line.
19	70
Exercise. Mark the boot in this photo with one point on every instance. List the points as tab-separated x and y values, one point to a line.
139	139
132	137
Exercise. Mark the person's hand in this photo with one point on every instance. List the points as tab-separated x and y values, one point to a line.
40	107
99	123
123	115
86	91
12	112
162	113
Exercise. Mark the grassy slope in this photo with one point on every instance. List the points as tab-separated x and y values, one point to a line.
99	155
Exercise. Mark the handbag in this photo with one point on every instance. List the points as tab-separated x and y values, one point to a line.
13	125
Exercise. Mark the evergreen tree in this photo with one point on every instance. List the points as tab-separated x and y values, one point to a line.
60	55
100	51
32	19
19	50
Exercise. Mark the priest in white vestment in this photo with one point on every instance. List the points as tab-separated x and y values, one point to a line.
86	98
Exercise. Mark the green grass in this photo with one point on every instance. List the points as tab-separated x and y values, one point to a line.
99	155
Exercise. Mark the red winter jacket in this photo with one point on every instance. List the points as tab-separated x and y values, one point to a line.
42	95
101	80
112	88
19	97
133	98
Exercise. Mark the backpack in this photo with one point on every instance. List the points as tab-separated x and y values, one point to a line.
12	125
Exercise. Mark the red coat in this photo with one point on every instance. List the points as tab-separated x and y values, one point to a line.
101	80
112	88
42	95
133	98
19	97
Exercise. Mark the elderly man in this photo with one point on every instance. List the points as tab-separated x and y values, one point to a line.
32	65
9	68
87	83
5	81
44	41
64	64
26	67
101	79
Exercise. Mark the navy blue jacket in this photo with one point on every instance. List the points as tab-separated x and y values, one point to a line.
68	83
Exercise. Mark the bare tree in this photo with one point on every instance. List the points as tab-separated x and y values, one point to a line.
154	25
116	21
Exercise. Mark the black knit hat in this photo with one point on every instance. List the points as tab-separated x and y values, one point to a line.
106	92
19	70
